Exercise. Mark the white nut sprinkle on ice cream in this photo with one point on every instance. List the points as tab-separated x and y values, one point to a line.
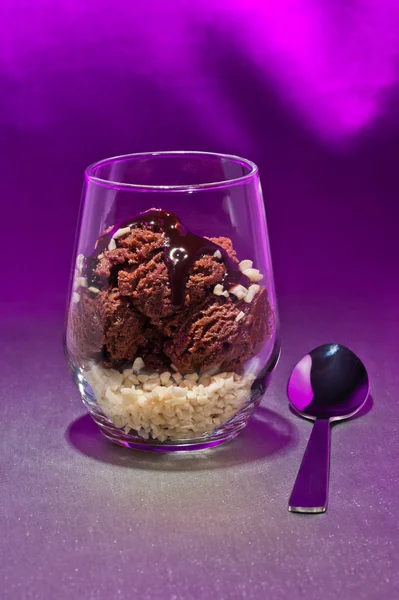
218	254
218	290
112	244
239	290
240	316
245	264
94	290
253	275
122	231
252	291
75	297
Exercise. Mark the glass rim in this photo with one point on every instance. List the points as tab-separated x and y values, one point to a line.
171	188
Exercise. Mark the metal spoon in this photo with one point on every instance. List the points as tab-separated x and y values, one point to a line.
328	384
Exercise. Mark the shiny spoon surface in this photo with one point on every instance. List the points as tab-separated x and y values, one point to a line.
328	384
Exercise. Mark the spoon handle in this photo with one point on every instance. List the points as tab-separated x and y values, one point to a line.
310	491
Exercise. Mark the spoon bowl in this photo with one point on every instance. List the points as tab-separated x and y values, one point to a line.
328	384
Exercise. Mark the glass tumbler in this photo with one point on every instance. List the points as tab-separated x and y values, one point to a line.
172	325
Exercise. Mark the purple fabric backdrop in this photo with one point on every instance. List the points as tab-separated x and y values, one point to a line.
309	93
308	90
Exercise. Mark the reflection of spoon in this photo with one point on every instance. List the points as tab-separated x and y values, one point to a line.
328	384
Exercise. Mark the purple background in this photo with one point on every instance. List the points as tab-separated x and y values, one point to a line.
308	90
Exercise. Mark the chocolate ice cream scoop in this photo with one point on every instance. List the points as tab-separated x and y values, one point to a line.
181	249
148	284
153	289
218	335
106	325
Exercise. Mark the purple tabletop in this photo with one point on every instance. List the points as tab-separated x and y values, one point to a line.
81	518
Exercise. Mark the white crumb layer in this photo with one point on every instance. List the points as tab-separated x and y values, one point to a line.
238	290
164	406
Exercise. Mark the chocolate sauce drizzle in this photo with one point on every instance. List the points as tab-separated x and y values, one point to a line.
182	248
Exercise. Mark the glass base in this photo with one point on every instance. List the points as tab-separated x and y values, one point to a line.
118	436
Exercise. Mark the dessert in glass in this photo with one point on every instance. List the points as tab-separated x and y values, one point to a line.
172	326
